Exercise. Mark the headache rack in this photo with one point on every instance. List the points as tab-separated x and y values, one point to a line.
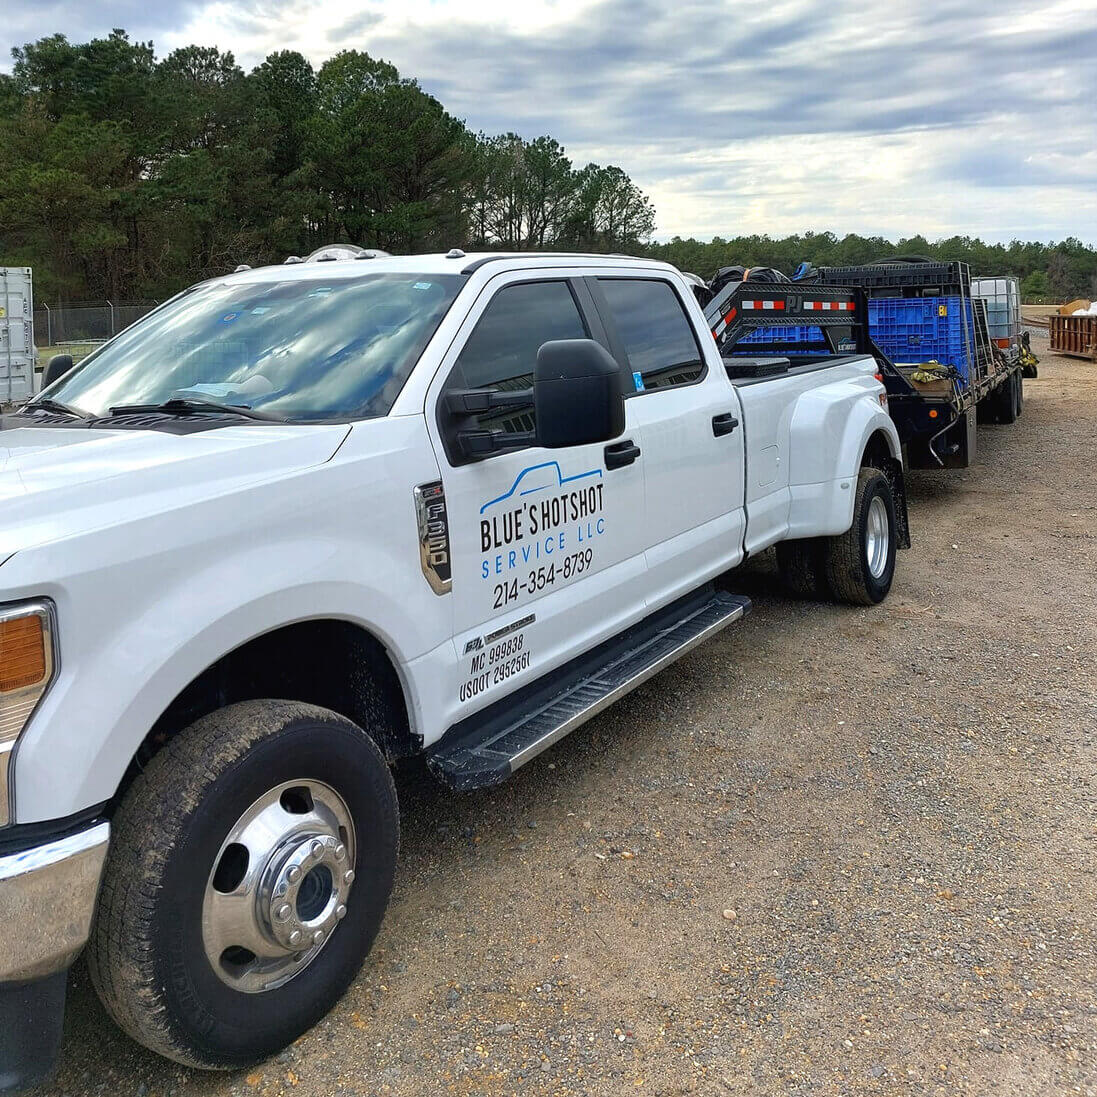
802	322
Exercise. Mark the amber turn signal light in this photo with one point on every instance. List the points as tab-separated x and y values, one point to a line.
22	653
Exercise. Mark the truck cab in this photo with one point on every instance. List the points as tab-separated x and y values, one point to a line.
303	521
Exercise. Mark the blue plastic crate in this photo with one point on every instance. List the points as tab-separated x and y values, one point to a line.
796	333
921	329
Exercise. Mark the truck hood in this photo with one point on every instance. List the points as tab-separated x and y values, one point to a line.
57	481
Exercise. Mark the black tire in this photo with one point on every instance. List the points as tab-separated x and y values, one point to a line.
1008	401
800	563
1019	381
147	956
848	575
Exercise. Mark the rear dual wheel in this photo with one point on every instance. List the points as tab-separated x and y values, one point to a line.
249	869
857	566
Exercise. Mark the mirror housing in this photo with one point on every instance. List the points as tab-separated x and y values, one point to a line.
577	395
58	366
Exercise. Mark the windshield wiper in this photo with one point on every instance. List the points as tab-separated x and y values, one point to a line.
47	403
188	406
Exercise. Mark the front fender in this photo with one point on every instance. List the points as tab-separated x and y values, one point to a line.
106	700
146	605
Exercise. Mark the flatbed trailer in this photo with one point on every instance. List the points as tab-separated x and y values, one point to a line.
810	321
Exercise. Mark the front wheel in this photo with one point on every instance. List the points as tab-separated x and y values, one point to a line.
249	869
860	563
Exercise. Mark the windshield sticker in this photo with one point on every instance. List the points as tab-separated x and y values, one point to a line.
638	381
262	310
229	317
421	285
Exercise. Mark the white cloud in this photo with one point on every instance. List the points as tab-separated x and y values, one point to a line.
929	116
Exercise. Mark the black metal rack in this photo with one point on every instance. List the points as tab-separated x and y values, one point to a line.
902	279
840	313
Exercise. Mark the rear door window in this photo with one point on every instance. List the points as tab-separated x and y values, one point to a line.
658	338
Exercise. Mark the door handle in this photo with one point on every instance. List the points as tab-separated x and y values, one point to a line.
724	424
621	453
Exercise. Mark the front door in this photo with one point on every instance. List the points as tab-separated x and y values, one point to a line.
547	545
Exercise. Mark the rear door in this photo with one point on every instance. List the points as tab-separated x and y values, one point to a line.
547	546
691	440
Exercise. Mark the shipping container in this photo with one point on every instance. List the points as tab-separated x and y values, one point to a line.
17	354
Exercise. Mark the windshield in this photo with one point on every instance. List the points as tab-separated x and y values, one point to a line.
304	350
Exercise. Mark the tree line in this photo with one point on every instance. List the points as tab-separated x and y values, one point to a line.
126	176
1047	272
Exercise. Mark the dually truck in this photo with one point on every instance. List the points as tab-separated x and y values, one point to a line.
303	521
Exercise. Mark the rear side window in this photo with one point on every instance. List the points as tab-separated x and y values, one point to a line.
502	349
655	331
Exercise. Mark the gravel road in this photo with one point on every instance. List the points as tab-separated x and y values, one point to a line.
833	851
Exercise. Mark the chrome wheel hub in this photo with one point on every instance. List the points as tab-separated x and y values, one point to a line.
279	886
877	537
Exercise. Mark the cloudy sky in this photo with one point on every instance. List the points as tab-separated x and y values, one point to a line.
890	116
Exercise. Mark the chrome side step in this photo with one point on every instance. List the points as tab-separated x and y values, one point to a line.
489	747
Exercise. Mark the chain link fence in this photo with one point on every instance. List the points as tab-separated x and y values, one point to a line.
93	322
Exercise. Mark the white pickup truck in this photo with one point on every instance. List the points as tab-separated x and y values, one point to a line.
303	521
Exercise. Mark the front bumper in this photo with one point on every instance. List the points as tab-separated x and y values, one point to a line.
47	899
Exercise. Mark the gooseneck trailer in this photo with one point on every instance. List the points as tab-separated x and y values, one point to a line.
942	368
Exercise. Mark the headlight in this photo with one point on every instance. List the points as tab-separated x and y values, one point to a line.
27	666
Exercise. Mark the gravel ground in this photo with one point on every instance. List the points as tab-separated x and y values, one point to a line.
832	851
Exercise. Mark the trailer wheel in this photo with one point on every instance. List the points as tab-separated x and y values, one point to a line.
1019	381
800	563
249	869
860	563
1007	401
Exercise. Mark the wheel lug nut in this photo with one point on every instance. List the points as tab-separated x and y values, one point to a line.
295	937
294	874
317	849
340	912
318	937
340	851
281	889
283	912
348	876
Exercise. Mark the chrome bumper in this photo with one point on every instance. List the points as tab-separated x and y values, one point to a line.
47	899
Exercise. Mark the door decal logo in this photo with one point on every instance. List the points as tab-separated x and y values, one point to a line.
558	481
541	530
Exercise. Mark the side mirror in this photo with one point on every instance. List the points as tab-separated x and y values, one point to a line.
58	366
577	396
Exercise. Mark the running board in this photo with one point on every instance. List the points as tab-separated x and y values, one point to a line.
488	747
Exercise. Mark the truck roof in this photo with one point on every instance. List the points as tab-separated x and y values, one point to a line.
433	264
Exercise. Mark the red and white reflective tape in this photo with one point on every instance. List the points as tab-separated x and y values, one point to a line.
724	321
829	306
763	304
